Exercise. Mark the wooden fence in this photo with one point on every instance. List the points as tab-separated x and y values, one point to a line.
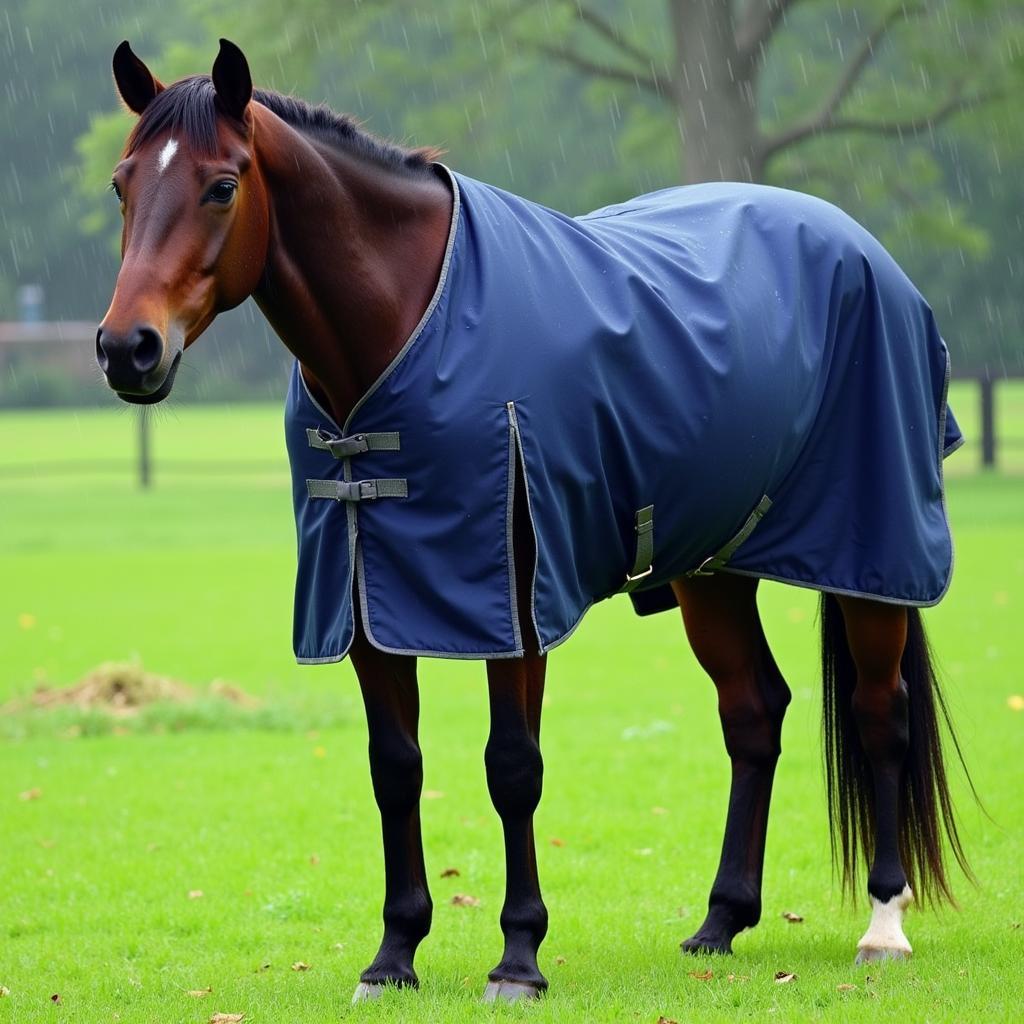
71	343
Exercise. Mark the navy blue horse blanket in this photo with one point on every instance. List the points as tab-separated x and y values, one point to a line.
716	378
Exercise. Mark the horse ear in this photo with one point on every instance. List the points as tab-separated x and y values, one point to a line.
232	80
135	82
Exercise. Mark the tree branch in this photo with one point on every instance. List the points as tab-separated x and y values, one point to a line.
654	83
955	103
759	21
855	66
612	34
825	117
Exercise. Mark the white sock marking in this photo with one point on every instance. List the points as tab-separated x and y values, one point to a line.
167	154
886	928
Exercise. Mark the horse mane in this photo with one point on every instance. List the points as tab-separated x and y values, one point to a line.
188	108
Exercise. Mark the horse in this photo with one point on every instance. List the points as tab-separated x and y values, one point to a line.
353	248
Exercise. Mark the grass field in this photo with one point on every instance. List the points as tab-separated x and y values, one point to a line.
106	839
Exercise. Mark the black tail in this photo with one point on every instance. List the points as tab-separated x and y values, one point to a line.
927	820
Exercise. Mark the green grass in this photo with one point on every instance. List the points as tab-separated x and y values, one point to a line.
276	826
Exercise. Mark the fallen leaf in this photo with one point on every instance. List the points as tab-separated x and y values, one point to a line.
659	810
31	794
199	993
432	794
737	977
703	975
451	873
558	842
26	620
846	988
560	960
55	998
300	966
319	752
227	1018
791	917
152	847
784	977
667	1020
460	899
4	991
195	894
263	967
1016	702
314	859
644	851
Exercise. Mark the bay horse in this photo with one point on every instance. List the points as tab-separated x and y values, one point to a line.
352	248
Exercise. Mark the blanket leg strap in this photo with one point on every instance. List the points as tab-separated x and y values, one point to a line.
643	564
720	558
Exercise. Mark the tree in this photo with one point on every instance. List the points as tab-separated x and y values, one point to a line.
582	102
711	75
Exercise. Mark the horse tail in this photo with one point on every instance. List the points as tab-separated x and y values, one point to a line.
927	820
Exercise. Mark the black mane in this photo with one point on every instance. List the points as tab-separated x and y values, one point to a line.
189	108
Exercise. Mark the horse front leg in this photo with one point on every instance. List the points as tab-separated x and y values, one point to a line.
724	630
514	773
391	697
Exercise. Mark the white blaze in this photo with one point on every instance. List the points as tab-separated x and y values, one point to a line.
167	154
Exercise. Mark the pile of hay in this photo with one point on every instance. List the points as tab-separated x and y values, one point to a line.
122	689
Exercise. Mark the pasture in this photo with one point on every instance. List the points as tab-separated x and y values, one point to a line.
214	847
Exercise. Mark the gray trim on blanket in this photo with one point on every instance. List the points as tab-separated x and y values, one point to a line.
521	453
438	291
510	555
368	630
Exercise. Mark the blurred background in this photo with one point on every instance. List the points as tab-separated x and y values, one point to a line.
908	115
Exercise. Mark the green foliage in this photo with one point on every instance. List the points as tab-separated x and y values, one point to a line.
480	80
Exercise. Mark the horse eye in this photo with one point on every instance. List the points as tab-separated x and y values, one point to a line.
222	192
116	191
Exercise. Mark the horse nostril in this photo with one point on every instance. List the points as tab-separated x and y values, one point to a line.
101	355
148	350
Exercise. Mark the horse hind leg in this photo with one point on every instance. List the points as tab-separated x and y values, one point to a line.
876	635
724	629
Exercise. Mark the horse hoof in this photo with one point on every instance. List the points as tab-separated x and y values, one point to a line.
874	954
366	991
697	946
510	991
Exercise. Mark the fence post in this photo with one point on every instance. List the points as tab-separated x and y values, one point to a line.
144	462
988	422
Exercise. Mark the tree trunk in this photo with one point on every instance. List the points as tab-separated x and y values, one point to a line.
714	94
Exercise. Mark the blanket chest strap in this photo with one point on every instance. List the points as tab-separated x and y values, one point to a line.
346	447
357	490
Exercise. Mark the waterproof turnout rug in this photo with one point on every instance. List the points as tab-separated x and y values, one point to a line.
717	378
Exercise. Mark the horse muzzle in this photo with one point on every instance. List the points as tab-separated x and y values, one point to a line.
140	365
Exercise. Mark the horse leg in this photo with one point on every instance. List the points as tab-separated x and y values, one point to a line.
724	630
514	772
877	634
391	698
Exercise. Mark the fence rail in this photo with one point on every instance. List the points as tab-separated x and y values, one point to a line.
72	343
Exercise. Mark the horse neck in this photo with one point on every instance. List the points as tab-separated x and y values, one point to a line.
354	255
